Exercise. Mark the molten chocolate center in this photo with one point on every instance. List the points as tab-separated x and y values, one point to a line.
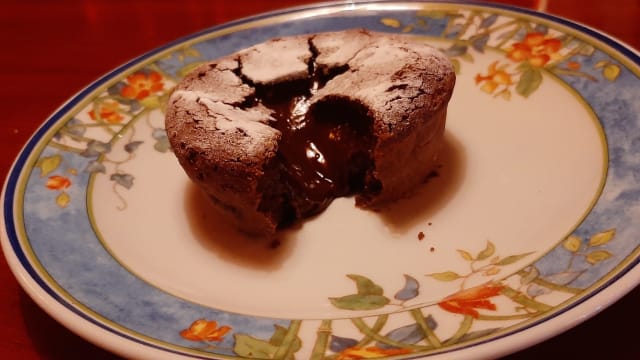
325	147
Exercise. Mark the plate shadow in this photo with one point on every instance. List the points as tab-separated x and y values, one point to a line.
227	243
433	194
230	245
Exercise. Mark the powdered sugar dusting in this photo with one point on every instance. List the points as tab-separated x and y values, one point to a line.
194	95
276	60
226	118
334	51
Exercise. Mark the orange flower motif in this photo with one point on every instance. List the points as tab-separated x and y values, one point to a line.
57	182
205	330
140	85
536	48
467	301
357	352
496	77
108	111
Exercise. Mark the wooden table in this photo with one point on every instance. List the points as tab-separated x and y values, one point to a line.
52	49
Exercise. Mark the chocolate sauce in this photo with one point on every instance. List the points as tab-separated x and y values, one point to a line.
325	147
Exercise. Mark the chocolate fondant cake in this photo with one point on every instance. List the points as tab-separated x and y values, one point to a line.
275	132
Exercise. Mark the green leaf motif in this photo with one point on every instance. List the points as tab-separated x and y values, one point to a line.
489	250
151	102
48	164
523	66
530	81
247	346
250	347
278	337
456	65
572	243
465	255
365	285
445	276
512	259
598	256
530	276
360	302
602	238
587	50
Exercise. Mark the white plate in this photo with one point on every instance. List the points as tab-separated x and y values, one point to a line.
528	229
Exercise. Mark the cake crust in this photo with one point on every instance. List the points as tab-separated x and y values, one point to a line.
225	132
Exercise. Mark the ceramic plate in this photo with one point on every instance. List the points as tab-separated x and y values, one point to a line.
529	228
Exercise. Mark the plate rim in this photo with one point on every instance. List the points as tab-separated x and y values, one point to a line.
36	289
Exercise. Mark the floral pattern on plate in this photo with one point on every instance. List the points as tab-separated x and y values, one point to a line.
495	292
529	48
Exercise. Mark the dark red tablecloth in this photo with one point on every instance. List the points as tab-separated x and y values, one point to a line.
52	49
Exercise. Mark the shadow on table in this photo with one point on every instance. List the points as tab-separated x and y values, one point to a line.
53	341
612	334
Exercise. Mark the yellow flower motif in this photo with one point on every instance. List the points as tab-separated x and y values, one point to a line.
205	330
63	200
495	77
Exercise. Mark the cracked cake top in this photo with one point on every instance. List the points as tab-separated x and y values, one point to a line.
350	65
